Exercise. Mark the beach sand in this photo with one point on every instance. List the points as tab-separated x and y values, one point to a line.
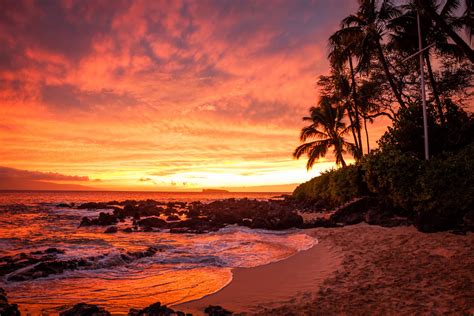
358	270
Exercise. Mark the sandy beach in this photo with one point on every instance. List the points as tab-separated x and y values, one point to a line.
358	270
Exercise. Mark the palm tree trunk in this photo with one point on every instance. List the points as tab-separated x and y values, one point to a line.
389	75
351	120
354	97
366	135
343	163
441	23
435	90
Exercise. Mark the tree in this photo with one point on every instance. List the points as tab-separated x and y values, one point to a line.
466	21
363	33
328	130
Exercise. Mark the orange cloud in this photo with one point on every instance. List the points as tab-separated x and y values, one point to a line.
195	92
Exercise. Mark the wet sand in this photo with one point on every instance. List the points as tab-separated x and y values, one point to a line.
271	285
358	270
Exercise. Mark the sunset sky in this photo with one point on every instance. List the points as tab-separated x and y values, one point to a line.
160	95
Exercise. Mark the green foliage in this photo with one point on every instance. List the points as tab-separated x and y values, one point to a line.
392	175
406	134
444	185
447	184
334	187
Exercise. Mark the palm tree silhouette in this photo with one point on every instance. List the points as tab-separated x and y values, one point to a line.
363	33
328	130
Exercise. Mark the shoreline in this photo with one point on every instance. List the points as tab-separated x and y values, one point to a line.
271	285
357	270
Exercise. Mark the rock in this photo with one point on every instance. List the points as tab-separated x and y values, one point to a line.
152	222
83	309
212	310
435	221
382	217
173	218
111	230
7	309
104	219
63	205
155	309
128	230
47	265
93	206
352	212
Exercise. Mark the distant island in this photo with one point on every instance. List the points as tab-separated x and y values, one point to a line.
214	191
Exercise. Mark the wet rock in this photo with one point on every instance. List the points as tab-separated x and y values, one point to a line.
155	309
111	230
64	205
46	266
83	309
93	206
152	222
7	309
104	219
217	310
173	218
128	230
194	226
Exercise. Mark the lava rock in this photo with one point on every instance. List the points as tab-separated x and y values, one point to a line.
111	230
155	309
6	308
217	310
173	218
83	309
351	213
152	222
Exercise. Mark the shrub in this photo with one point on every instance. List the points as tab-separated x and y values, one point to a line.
333	187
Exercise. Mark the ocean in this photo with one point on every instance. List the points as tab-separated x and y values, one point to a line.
187	267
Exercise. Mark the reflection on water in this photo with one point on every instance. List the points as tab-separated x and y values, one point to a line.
189	267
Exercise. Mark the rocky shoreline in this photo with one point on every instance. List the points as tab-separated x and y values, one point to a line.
177	217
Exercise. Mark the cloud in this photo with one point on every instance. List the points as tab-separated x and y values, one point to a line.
12	173
113	89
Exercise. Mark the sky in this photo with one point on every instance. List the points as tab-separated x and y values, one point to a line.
160	95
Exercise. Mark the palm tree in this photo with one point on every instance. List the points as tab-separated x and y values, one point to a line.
363	33
448	26
340	54
328	130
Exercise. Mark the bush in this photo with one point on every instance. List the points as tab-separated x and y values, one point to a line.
333	187
447	191
393	177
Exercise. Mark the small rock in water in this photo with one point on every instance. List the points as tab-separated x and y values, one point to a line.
156	309
212	310
83	309
111	230
5	308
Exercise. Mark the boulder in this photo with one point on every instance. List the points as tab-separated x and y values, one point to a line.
152	222
111	230
352	212
436	221
155	309
217	310
83	309
173	218
6	308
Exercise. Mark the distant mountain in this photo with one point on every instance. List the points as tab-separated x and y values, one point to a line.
284	188
214	191
23	184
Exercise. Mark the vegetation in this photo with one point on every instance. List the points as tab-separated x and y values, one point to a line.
372	77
